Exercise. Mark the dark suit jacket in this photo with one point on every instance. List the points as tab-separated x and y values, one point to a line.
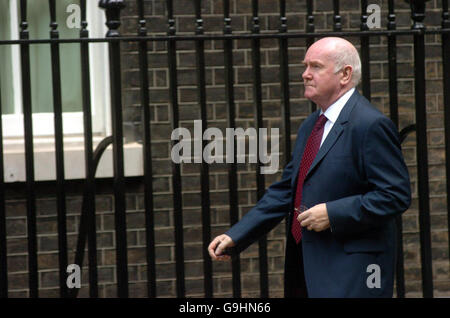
360	174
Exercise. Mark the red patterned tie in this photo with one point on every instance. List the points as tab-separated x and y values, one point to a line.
310	152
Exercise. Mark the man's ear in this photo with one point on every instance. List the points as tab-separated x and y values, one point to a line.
347	73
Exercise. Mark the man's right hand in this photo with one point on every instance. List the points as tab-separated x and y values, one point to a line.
218	246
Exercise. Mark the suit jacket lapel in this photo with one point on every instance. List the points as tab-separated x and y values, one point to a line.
336	131
332	137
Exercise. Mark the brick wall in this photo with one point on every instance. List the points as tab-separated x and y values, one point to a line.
216	103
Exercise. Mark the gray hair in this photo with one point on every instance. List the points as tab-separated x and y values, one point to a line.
347	55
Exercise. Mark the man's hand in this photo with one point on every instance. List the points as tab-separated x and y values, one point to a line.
218	246
315	218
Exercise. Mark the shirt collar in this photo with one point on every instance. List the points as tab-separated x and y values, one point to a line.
332	112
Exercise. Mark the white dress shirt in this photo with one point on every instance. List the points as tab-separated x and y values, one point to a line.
332	112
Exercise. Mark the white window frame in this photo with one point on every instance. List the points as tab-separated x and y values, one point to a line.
43	123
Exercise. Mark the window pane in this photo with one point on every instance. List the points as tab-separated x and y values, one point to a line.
6	83
41	76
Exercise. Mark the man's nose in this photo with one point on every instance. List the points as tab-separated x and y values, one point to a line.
306	74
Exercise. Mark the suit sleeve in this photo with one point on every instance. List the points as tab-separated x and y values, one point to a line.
268	212
388	183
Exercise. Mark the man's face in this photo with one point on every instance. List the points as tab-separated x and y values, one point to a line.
322	84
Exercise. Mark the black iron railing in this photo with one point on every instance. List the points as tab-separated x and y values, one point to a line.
87	230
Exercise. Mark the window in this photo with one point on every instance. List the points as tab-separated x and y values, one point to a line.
38	17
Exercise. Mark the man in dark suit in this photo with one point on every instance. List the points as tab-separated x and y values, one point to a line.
348	169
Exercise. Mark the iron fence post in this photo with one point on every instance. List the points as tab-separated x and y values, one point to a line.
112	9
446	70
418	15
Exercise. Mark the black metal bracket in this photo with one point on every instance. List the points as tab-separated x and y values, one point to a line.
406	131
83	229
